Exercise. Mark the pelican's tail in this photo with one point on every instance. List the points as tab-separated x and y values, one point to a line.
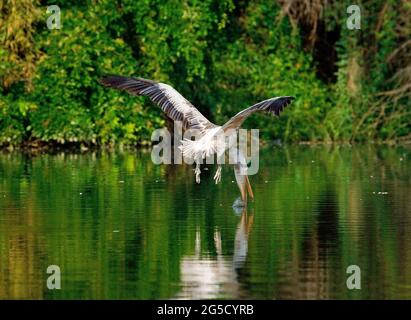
188	148
192	149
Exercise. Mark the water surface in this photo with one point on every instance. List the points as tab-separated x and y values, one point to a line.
120	227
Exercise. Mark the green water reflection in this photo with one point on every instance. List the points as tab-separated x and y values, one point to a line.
121	227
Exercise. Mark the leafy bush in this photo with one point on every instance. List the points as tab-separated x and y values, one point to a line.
221	55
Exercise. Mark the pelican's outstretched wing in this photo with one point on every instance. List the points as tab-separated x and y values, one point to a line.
171	102
273	105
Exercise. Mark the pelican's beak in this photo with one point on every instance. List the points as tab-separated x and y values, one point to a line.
250	191
245	187
243	191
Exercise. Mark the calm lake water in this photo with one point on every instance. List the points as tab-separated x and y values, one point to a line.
120	227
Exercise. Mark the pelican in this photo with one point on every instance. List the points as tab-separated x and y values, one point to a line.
177	108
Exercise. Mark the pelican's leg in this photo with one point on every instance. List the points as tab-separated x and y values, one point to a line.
197	171
217	176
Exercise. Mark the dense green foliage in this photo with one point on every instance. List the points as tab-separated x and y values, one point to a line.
350	85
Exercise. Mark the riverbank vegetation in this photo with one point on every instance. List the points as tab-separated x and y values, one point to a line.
350	85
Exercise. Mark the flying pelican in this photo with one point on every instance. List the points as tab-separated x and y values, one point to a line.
177	108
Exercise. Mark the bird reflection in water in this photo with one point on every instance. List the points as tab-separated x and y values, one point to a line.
206	277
